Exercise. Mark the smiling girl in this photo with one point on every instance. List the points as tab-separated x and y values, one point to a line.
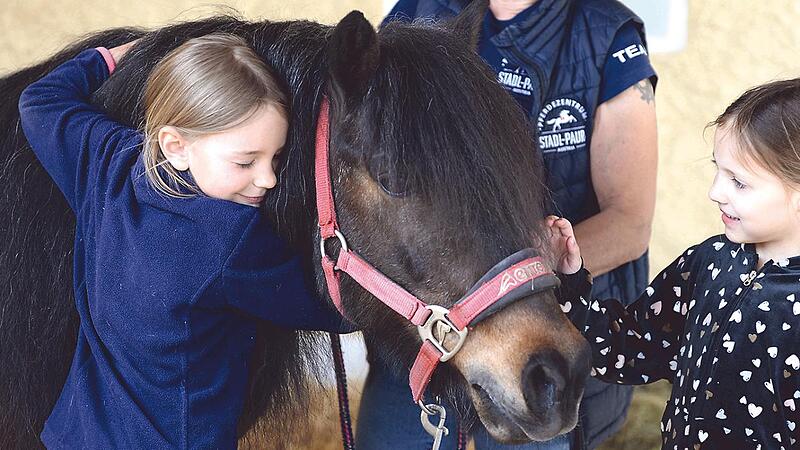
722	322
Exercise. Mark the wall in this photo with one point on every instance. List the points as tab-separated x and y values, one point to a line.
34	29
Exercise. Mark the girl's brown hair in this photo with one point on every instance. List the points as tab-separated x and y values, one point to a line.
207	85
766	121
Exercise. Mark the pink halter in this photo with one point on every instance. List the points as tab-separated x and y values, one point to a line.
519	275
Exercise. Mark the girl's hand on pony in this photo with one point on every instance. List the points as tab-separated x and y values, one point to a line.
565	247
120	51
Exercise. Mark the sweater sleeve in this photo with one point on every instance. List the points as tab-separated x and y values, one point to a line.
68	134
639	343
264	278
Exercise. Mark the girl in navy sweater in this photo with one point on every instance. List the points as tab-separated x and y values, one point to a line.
173	260
722	322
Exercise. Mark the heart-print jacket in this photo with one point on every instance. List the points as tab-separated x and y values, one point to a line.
724	333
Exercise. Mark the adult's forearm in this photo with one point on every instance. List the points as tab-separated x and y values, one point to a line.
612	238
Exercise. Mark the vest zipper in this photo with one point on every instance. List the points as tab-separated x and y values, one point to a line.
537	105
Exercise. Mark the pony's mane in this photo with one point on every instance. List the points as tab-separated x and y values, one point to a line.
298	54
435	142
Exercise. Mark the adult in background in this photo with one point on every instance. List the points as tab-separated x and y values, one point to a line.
579	70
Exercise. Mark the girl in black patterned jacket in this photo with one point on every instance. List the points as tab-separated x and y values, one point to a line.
722	322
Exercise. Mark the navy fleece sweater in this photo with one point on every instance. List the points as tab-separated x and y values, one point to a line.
168	290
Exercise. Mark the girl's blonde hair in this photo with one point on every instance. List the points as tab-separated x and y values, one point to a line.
766	122
207	85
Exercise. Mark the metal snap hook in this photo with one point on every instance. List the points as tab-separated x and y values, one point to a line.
436	431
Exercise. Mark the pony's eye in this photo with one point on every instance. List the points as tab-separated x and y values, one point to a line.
389	175
391	185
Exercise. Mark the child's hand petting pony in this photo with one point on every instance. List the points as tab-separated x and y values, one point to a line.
565	247
120	51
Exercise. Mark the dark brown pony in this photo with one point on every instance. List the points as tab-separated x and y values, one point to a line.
436	180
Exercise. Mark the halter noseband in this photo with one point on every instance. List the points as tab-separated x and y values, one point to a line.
442	330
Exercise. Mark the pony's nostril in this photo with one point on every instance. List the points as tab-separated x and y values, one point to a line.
543	384
544	389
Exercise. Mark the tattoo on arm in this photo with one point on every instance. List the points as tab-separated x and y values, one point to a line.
645	88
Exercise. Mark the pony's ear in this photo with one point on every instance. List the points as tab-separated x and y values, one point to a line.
468	24
353	55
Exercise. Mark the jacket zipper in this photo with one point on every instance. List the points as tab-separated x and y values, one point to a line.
715	345
750	278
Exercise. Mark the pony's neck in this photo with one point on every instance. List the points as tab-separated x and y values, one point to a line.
296	52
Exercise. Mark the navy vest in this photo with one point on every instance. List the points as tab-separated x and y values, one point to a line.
563	46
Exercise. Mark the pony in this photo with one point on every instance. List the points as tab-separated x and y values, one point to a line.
436	179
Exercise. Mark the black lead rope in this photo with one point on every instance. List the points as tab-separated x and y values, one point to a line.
345	421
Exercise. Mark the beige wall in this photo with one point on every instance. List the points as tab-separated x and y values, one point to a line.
732	45
34	29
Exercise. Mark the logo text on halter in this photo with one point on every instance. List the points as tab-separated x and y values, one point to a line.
520	275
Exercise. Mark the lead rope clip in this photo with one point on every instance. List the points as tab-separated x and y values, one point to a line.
438	431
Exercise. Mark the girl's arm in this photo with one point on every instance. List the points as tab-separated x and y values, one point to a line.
65	131
264	278
632	345
283	296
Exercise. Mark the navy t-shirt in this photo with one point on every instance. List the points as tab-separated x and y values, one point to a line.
626	64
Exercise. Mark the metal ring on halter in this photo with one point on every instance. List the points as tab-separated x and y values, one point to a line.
339	236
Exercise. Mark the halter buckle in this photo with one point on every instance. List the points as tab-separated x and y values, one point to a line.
437	328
